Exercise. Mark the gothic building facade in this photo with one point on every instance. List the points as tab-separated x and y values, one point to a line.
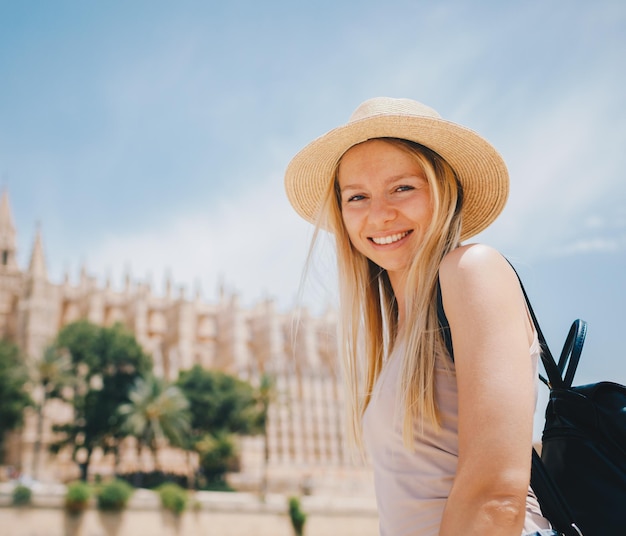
306	432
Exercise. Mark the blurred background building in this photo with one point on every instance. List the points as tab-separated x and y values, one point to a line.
299	350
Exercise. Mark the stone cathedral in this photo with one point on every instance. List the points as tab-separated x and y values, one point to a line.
305	427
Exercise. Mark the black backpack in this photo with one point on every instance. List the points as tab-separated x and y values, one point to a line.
580	476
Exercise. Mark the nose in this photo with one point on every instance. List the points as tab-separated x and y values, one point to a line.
381	211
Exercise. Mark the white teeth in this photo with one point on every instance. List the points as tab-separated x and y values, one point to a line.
389	239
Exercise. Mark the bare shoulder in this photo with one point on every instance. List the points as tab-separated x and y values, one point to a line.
473	260
475	270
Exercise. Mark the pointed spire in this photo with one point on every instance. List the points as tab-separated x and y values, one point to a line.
7	233
84	276
221	288
197	290
168	284
37	266
6	218
128	279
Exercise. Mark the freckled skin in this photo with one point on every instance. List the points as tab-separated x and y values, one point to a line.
384	193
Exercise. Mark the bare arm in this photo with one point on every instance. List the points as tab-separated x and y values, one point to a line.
491	334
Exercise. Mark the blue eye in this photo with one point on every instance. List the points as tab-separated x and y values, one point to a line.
357	197
404	188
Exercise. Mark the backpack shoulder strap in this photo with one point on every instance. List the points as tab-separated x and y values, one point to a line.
552	370
549	363
552	503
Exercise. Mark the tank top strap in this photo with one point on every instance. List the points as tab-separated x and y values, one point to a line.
444	325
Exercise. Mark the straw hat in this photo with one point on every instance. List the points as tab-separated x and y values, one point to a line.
479	167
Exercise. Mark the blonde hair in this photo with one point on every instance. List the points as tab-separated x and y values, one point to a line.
369	311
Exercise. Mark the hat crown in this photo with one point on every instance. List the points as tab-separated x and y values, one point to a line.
392	106
478	166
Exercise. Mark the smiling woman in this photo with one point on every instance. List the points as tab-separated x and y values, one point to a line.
450	439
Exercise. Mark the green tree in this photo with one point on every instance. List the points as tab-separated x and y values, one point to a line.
51	374
106	362
219	402
13	395
221	405
155	412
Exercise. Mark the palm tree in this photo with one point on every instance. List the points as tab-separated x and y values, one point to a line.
156	411
51	374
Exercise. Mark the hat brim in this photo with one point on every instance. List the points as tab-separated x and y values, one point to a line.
479	167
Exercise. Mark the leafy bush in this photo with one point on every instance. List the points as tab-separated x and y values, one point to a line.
297	516
218	455
173	498
114	495
205	485
77	496
22	495
152	479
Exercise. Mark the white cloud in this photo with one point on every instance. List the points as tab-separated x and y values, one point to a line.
252	241
563	176
605	245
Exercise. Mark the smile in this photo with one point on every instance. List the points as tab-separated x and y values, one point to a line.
385	240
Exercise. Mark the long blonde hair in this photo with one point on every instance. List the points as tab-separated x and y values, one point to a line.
369	311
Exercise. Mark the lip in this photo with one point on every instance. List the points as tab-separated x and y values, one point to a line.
406	233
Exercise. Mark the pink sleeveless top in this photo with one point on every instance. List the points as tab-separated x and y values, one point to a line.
412	487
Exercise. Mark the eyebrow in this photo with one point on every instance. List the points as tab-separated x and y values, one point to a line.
394	178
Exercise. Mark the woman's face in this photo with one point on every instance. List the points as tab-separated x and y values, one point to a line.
385	203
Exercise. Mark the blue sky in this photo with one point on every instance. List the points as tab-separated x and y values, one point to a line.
152	136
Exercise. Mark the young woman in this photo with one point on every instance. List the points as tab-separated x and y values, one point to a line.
449	436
